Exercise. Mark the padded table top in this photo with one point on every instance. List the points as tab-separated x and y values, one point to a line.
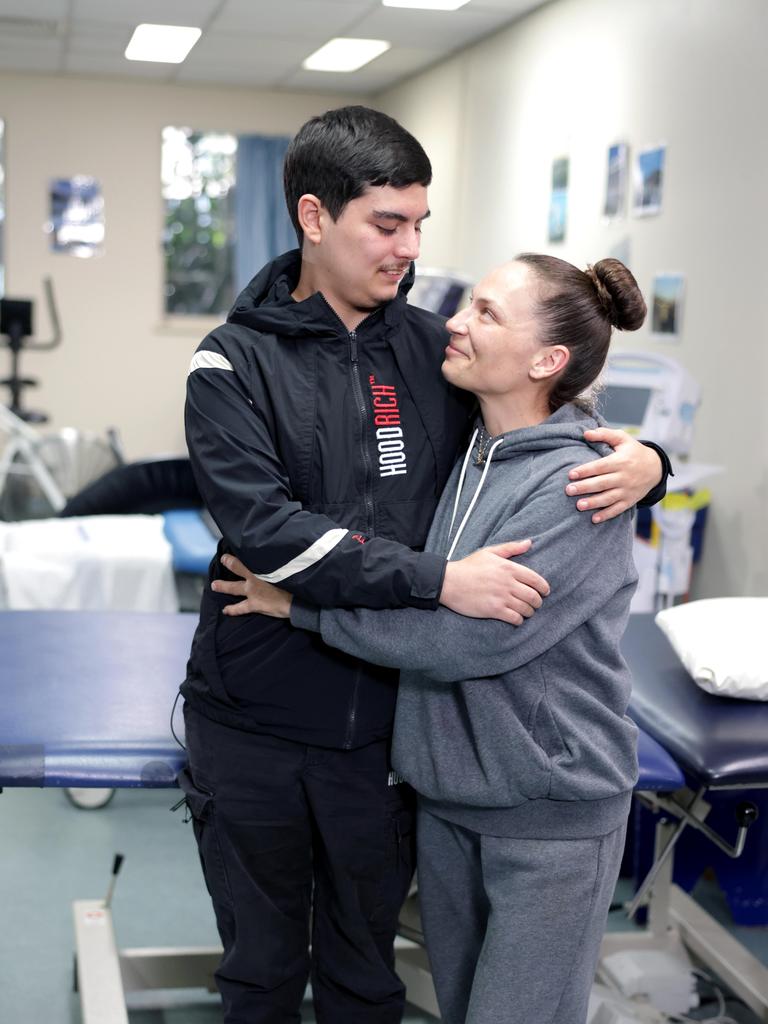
87	699
718	740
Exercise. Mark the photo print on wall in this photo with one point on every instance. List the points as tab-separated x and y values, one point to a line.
667	306
616	181
649	181
558	204
77	216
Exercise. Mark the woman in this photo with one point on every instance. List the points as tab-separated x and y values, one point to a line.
515	738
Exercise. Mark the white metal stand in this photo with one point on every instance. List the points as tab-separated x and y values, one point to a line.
20	455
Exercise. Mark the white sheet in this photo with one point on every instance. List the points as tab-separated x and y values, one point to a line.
91	563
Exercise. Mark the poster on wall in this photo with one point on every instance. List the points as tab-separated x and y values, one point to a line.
77	216
648	181
667	306
616	181
558	204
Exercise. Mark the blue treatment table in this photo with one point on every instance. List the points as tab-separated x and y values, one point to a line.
192	543
87	702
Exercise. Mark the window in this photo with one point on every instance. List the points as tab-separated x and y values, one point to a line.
225	215
198	176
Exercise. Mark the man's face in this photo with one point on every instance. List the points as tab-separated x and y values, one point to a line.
361	258
493	341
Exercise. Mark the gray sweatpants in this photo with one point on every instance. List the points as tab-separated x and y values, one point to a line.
513	926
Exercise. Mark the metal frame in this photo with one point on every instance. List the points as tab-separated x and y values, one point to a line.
106	974
676	923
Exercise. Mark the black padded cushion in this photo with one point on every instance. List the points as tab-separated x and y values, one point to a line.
138	487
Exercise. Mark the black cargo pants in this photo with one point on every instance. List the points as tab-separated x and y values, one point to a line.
283	827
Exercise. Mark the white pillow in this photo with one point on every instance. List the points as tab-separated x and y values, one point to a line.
723	642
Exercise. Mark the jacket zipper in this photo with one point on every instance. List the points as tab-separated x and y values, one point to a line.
357	391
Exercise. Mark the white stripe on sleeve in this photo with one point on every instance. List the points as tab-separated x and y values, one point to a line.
209	361
307	558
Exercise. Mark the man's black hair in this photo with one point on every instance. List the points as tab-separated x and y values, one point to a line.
340	154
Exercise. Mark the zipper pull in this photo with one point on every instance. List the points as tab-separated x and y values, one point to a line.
353	346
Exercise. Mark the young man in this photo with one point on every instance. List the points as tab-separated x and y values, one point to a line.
321	433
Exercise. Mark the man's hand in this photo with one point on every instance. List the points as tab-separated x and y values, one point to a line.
486	585
257	595
618	481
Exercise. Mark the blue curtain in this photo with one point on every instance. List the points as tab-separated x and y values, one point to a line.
263	227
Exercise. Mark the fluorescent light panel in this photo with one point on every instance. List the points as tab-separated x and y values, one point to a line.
427	5
345	54
165	44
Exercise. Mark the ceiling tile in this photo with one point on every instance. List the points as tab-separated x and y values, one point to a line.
100	38
45	9
134	12
327	18
23	58
514	8
449	29
246	48
257	76
324	81
34	48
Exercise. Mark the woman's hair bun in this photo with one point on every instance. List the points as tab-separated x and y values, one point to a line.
619	294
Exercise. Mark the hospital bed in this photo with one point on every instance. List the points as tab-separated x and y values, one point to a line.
87	703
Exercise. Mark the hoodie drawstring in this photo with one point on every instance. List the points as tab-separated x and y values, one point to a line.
461	480
476	495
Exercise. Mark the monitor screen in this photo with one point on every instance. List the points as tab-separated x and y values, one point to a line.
624	406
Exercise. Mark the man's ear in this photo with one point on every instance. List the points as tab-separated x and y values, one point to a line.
309	210
549	360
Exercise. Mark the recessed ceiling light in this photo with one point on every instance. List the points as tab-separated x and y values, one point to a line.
345	54
166	44
427	5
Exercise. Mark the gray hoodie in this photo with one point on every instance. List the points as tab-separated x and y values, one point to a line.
515	730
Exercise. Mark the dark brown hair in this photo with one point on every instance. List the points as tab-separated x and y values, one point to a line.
342	153
578	308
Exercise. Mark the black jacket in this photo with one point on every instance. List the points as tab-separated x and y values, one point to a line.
316	530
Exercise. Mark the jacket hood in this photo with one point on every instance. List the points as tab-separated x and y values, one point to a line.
565	426
265	304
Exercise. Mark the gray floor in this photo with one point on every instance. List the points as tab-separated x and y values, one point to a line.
51	853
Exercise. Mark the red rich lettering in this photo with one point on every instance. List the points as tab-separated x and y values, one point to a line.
381	403
387	419
383	389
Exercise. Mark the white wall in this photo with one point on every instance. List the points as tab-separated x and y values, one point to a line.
118	365
572	78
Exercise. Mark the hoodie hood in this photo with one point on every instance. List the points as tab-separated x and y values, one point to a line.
266	303
562	429
564	426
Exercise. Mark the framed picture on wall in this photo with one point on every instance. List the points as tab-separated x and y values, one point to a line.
667	306
558	203
616	181
77	216
648	180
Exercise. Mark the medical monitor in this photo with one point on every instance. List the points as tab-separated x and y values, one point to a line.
624	406
650	396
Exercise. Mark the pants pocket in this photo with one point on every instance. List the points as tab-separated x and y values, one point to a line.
202	806
400	855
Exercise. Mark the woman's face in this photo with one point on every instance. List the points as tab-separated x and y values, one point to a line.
493	343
